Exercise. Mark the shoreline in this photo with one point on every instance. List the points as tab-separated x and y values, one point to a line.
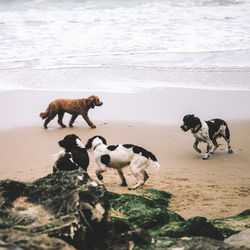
157	106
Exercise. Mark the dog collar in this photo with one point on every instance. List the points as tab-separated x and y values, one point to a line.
197	129
87	102
97	146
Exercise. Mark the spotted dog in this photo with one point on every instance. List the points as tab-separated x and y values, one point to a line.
208	132
119	156
74	155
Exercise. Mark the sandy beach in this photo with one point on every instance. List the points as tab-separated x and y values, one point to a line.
218	187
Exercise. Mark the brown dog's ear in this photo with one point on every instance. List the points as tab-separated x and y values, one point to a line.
91	101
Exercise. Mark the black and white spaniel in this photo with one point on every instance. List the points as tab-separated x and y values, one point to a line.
74	155
119	156
208	132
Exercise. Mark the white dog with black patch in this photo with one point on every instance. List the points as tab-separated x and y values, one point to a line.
119	156
208	132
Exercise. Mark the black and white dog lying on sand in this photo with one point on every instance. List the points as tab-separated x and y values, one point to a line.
74	155
208	132
119	156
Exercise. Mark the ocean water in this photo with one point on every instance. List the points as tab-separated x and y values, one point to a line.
124	45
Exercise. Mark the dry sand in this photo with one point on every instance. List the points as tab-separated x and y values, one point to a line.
218	187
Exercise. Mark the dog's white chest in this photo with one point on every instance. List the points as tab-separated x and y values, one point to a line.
203	133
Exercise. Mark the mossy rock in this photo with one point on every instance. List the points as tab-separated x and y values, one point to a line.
200	226
172	230
157	196
233	224
142	212
196	226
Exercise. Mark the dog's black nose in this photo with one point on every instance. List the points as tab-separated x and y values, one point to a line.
61	143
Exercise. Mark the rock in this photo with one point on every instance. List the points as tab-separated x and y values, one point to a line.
233	224
241	239
198	243
196	226
142	212
128	240
120	225
69	206
66	205
200	226
157	196
140	237
15	239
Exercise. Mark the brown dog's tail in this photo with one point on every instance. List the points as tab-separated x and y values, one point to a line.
45	114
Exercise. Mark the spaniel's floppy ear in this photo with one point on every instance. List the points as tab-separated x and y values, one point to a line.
91	101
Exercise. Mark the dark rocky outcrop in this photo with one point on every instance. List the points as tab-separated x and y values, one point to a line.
65	205
196	226
16	239
68	210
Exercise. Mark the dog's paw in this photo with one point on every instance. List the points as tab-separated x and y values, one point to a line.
93	126
230	151
124	184
205	157
99	176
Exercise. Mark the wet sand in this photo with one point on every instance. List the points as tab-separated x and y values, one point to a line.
218	187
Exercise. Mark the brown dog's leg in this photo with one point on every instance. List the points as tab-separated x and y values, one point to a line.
72	120
50	117
60	117
90	123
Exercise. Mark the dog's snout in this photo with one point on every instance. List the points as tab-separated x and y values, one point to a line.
61	143
185	128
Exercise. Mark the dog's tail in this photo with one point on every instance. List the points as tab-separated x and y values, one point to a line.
45	114
155	164
58	155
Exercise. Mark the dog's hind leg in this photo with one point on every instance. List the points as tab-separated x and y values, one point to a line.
50	117
226	136
215	145
124	183
145	175
136	171
60	117
229	149
72	120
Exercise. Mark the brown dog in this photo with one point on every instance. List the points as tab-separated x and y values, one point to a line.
73	106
